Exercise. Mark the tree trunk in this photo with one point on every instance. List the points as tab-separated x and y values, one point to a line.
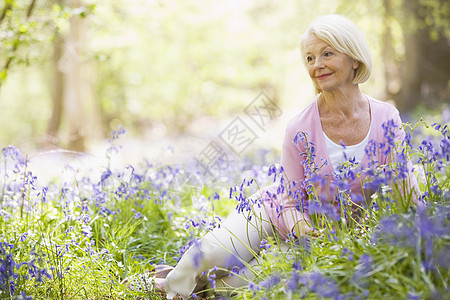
73	81
392	73
58	92
426	69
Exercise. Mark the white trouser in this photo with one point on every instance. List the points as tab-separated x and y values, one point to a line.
234	243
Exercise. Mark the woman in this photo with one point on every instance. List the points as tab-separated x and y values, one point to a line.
337	58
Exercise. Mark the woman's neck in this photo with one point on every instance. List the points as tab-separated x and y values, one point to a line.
342	102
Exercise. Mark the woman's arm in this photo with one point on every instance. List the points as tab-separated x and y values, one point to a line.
294	214
412	188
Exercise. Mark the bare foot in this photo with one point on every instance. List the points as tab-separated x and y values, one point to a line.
159	284
161	271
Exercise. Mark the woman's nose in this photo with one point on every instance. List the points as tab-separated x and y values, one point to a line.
318	64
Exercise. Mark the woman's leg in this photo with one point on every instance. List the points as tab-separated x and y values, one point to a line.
226	285
235	243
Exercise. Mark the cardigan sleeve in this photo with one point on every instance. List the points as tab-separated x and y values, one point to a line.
396	155
290	158
292	211
411	180
282	200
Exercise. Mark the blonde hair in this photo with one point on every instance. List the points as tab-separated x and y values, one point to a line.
344	36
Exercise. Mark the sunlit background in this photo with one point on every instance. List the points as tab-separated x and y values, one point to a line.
175	73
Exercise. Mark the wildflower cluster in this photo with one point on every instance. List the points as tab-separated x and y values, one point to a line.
17	277
396	232
79	237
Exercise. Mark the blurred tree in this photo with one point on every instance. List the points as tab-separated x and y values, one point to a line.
173	61
57	84
73	104
167	64
426	65
75	86
414	39
15	24
391	62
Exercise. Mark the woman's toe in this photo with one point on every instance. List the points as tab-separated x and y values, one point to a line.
159	284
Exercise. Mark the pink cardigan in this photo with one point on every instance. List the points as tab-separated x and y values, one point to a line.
281	210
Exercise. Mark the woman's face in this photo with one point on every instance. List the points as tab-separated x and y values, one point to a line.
329	69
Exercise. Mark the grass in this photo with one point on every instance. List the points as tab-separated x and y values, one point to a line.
79	239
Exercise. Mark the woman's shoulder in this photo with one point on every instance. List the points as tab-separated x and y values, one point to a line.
303	121
383	107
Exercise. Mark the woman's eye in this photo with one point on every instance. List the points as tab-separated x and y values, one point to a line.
328	54
309	59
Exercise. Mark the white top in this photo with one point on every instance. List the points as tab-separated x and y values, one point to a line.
336	152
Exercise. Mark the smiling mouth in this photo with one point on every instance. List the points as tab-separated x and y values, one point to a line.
323	76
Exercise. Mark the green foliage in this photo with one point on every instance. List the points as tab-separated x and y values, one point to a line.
81	238
396	251
169	64
187	60
22	24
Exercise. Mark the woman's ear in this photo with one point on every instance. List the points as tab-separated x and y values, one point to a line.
355	64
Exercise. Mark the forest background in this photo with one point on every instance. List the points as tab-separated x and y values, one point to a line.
184	79
176	73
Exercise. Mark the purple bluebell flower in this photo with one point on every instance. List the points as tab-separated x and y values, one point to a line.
137	214
320	208
389	135
270	282
25	297
234	271
371	149
321	285
253	287
23	236
14	154
212	279
292	283
413	296
265	245
348	253
198	255
363	267
300	136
